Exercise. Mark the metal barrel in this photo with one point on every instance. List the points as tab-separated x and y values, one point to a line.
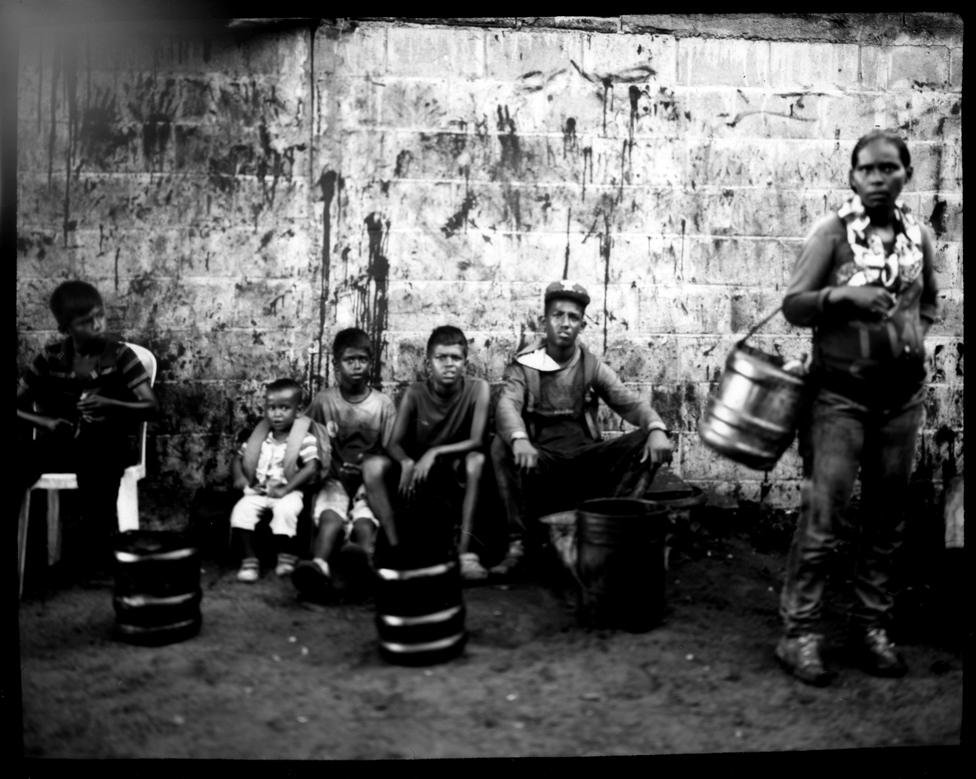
420	613
157	592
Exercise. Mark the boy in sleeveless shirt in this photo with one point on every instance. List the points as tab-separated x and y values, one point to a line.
437	448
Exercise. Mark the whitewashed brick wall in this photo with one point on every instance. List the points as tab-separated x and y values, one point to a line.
242	193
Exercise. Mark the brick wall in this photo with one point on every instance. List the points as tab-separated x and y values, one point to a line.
242	191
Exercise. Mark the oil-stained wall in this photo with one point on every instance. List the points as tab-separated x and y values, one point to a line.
241	191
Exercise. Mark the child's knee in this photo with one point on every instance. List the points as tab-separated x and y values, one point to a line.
363	531
474	464
285	524
329	518
375	469
243	517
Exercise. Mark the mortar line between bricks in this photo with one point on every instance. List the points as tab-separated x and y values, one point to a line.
421	231
627	234
709	188
627	282
686	139
805	90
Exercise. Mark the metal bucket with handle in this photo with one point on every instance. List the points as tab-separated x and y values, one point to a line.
752	415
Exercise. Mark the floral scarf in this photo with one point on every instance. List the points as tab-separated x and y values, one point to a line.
895	272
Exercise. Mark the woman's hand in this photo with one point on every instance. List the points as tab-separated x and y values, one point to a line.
876	302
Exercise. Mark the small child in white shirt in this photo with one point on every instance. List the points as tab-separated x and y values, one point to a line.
282	455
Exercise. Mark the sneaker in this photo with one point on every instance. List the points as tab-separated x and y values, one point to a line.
286	564
250	571
312	580
471	568
879	656
800	656
516	553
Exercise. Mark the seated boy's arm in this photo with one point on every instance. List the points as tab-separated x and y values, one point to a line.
25	411
145	404
401	427
324	443
627	403
508	409
27	388
388	420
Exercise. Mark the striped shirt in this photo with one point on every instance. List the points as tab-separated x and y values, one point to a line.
56	388
271	461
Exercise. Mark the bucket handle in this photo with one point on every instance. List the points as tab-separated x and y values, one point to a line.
761	323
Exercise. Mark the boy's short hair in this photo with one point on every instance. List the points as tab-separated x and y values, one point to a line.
351	338
281	385
71	299
447	335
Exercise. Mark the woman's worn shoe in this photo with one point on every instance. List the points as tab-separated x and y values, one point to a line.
800	656
878	655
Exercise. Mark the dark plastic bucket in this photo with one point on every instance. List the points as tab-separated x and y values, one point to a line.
420	613
751	417
621	563
157	587
681	501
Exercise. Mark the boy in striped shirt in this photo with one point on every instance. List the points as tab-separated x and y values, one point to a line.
85	396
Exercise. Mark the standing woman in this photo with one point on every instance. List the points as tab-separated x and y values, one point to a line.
864	283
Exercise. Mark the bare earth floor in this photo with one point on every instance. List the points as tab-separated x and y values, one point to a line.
270	677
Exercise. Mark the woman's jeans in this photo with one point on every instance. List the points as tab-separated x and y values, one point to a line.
840	436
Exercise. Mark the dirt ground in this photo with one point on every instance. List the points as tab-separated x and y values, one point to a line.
270	677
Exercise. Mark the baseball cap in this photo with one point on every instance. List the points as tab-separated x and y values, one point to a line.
567	290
